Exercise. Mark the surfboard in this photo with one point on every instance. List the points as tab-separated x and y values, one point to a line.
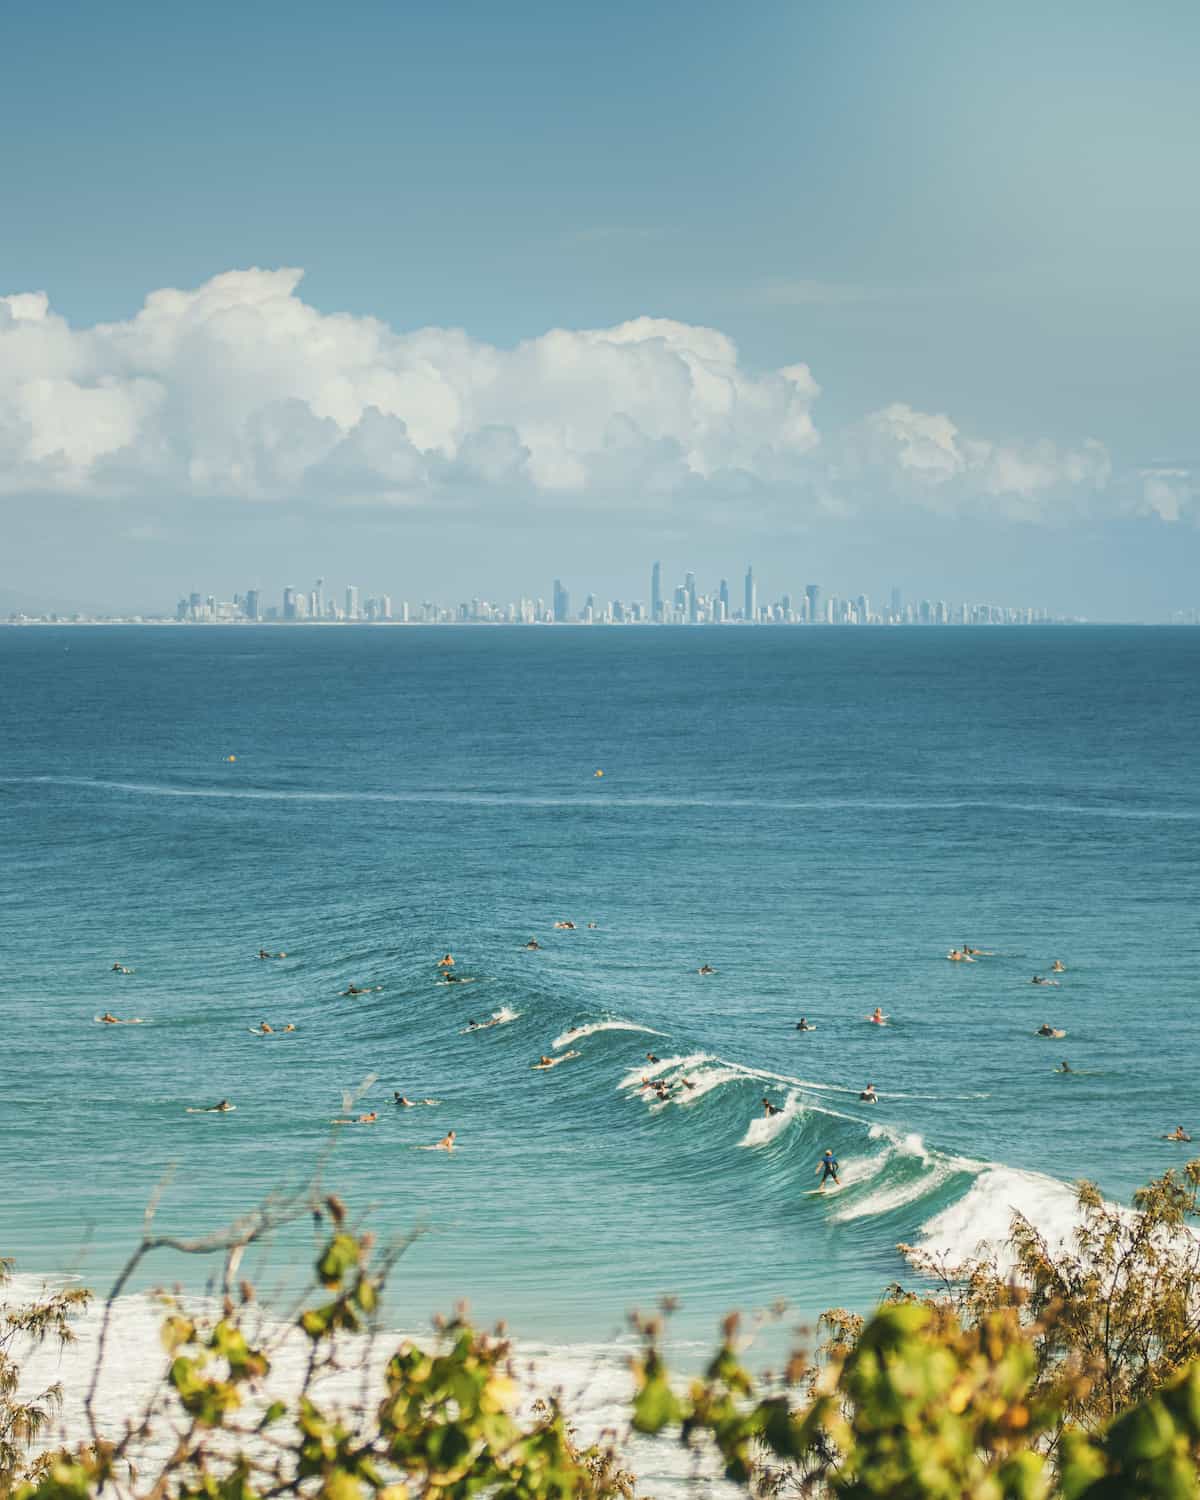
822	1192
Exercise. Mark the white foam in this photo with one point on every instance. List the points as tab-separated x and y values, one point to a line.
981	1220
763	1130
633	1079
575	1033
885	1198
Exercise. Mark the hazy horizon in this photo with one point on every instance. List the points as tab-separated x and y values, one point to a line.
892	298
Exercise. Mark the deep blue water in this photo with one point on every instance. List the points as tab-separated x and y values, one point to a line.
820	815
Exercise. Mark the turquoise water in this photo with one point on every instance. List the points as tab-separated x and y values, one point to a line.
820	815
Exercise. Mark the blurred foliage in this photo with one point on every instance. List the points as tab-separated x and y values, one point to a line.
1076	1376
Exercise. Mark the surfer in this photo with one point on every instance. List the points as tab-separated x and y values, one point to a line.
877	1017
533	945
352	989
121	969
264	1029
592	926
687	1083
650	1057
367	1119
545	1062
109	1019
222	1107
1047	1030
446	961
446	1143
262	953
706	969
868	1095
802	1024
1178	1134
1041	979
959	956
1058	967
565	926
1064	1067
828	1167
770	1109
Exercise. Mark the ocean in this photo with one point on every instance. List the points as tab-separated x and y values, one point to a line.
820	815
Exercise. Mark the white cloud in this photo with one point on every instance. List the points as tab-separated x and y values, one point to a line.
926	457
1172	494
239	389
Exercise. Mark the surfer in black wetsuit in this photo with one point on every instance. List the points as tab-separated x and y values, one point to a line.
828	1167
802	1024
770	1109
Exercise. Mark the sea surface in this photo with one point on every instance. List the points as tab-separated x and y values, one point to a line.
817	814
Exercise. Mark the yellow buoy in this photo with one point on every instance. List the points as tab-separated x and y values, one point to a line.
231	757
599	773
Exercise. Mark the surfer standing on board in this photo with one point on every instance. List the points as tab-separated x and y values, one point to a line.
828	1168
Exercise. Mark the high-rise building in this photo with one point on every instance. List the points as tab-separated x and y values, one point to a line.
250	604
318	600
351	602
689	588
812	592
723	596
289	603
656	608
897	605
562	604
750	604
385	606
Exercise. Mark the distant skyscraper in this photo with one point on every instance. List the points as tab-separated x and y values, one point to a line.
812	592
689	588
723	596
289	603
562	604
250	604
897	605
318	601
656	592
351	602
750	606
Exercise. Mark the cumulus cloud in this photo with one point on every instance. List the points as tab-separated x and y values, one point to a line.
238	389
1171	494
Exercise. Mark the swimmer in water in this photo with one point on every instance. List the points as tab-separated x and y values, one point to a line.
869	1096
877	1017
828	1167
957	956
1178	1134
1063	1067
121	969
352	989
109	1019
1047	1030
706	969
367	1119
770	1109
650	1057
802	1024
533	945
262	953
265	1029
1058	967
446	1143
565	926
220	1108
446	961
1041	979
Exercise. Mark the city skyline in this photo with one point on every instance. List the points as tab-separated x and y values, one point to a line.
687	602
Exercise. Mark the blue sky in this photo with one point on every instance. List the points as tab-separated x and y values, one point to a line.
982	214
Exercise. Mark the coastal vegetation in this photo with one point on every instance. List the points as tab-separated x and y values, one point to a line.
1066	1371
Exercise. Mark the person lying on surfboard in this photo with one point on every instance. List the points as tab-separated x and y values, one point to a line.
828	1167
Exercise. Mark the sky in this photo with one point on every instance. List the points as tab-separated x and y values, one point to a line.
451	299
